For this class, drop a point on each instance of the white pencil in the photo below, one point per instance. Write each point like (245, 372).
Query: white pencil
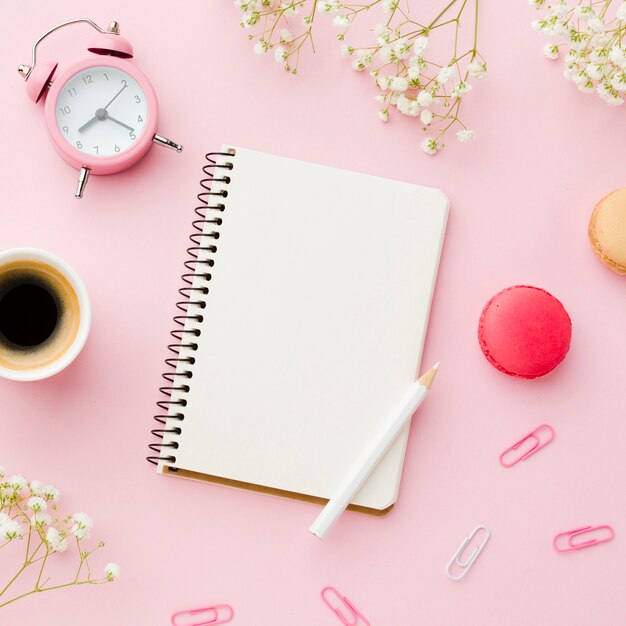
(391, 427)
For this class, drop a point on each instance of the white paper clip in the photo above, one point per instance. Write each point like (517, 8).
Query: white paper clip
(464, 565)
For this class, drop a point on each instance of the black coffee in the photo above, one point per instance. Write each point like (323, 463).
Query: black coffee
(29, 310)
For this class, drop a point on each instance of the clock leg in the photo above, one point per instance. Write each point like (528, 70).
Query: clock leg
(83, 177)
(168, 143)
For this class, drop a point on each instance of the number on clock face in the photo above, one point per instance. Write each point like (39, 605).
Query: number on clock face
(101, 111)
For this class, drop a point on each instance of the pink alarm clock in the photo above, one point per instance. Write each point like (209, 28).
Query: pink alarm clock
(101, 112)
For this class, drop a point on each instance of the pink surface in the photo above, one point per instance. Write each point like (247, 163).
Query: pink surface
(521, 198)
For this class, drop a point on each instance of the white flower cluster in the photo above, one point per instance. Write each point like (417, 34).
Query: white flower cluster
(408, 81)
(29, 510)
(591, 43)
(269, 19)
(415, 86)
(27, 501)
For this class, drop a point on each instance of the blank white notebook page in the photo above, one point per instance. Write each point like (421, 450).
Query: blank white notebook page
(314, 325)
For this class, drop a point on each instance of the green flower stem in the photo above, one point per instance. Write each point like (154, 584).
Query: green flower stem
(19, 572)
(99, 581)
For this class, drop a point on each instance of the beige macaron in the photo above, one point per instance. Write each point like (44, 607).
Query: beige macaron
(607, 230)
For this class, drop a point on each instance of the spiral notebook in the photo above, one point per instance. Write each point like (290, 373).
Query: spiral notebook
(302, 317)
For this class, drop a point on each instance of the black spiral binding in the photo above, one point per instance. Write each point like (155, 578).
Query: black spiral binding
(177, 381)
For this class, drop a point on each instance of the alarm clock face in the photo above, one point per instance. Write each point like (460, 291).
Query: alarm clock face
(101, 111)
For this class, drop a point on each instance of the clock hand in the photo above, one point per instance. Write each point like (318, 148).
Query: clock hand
(101, 114)
(115, 96)
(88, 124)
(121, 123)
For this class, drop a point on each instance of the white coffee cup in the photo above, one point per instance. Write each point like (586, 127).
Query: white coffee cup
(71, 316)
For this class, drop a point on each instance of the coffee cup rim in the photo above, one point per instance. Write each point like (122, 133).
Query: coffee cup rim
(43, 256)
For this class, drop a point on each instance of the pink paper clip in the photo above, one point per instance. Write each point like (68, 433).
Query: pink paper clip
(218, 614)
(538, 443)
(339, 604)
(586, 530)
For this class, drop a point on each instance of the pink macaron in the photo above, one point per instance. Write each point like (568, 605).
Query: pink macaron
(524, 331)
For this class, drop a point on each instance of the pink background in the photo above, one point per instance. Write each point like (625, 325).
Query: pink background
(521, 196)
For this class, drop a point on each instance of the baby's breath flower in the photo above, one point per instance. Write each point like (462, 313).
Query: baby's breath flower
(10, 530)
(577, 38)
(445, 74)
(398, 83)
(595, 71)
(430, 145)
(396, 59)
(382, 33)
(56, 542)
(599, 54)
(618, 56)
(584, 12)
(414, 72)
(618, 82)
(389, 6)
(426, 117)
(17, 482)
(595, 25)
(579, 77)
(465, 135)
(383, 81)
(387, 54)
(82, 525)
(250, 19)
(560, 9)
(595, 59)
(285, 35)
(587, 87)
(402, 49)
(477, 69)
(36, 504)
(402, 103)
(40, 520)
(328, 6)
(112, 571)
(23, 514)
(460, 89)
(420, 45)
(425, 98)
(380, 29)
(341, 21)
(36, 487)
(280, 54)
(418, 62)
(551, 51)
(609, 94)
(407, 106)
(363, 60)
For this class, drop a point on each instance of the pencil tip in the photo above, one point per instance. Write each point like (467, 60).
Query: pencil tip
(427, 378)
